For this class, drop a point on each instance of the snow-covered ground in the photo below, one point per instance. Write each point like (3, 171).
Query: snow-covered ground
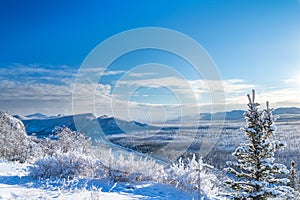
(16, 184)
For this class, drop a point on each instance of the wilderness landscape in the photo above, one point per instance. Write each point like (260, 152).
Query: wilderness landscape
(151, 99)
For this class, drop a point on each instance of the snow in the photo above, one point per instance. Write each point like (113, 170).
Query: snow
(16, 184)
(256, 174)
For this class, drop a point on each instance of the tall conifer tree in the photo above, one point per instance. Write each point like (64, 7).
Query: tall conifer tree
(255, 175)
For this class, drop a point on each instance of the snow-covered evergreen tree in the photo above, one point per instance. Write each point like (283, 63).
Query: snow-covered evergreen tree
(255, 175)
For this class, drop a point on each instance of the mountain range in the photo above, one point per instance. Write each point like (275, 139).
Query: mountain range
(290, 113)
(43, 125)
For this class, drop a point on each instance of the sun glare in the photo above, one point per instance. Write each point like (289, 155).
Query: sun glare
(297, 79)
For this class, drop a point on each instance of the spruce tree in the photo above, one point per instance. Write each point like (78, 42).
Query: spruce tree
(293, 176)
(255, 175)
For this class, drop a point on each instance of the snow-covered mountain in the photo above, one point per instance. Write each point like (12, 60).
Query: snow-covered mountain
(37, 116)
(289, 110)
(284, 113)
(87, 122)
(290, 113)
(229, 115)
(43, 125)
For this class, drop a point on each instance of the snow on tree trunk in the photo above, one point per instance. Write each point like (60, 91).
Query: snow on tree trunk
(255, 175)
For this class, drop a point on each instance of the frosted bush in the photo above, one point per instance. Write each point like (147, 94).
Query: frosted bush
(189, 175)
(67, 141)
(64, 140)
(65, 157)
(63, 165)
(72, 141)
(135, 169)
(14, 142)
(193, 175)
(130, 167)
(76, 164)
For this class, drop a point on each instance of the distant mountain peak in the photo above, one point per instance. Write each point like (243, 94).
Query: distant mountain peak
(287, 110)
(104, 117)
(109, 125)
(60, 115)
(36, 116)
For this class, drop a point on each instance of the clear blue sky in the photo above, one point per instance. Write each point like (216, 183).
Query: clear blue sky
(255, 41)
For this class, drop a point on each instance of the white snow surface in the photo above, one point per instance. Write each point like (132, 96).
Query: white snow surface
(16, 184)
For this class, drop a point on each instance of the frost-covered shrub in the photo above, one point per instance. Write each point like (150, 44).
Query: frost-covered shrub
(129, 168)
(66, 141)
(15, 145)
(63, 165)
(69, 140)
(77, 164)
(193, 175)
(64, 157)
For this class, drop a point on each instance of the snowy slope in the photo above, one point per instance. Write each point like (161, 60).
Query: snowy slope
(16, 184)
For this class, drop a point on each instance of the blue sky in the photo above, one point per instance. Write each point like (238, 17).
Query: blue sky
(254, 43)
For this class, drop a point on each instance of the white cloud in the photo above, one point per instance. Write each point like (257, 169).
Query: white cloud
(99, 71)
(11, 90)
(145, 74)
(188, 87)
(40, 88)
(288, 81)
(51, 91)
(34, 70)
(104, 89)
(113, 72)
